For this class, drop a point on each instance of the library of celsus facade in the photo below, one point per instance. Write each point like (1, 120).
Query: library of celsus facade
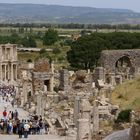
(8, 63)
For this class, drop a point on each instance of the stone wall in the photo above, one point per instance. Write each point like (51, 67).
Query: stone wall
(42, 65)
(43, 72)
(38, 85)
(109, 58)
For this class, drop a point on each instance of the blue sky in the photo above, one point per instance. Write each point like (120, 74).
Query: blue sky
(123, 4)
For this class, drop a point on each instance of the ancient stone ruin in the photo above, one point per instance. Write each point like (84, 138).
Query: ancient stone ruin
(81, 105)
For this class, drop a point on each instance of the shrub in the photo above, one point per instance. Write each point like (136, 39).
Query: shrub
(124, 116)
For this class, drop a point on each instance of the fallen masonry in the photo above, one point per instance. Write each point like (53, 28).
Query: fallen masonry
(75, 104)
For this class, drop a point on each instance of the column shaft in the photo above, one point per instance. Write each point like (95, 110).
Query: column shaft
(12, 72)
(1, 72)
(16, 72)
(5, 72)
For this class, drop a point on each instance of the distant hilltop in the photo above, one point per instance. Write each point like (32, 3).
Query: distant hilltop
(37, 13)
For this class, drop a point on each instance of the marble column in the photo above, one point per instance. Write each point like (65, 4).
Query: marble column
(12, 79)
(52, 78)
(16, 72)
(5, 57)
(3, 69)
(1, 73)
(76, 109)
(1, 54)
(43, 105)
(25, 91)
(51, 83)
(5, 72)
(8, 72)
(39, 104)
(95, 118)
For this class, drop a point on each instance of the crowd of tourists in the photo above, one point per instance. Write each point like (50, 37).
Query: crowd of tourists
(7, 98)
(11, 124)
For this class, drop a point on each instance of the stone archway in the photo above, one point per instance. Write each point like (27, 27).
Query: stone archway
(123, 65)
(109, 59)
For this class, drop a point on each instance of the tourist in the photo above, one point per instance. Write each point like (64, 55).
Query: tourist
(10, 128)
(20, 129)
(9, 115)
(46, 125)
(5, 115)
(5, 126)
(41, 126)
(1, 126)
(15, 114)
(31, 126)
(26, 129)
(12, 115)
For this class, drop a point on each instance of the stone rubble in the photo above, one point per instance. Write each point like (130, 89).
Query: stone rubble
(75, 104)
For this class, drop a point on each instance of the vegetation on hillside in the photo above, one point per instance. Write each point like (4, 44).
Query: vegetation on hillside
(85, 52)
(50, 37)
(127, 95)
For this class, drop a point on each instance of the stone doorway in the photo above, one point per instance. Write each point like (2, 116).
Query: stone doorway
(123, 65)
(47, 85)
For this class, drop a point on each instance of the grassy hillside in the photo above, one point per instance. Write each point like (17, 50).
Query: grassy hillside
(127, 95)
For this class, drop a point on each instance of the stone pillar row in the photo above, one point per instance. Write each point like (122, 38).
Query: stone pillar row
(12, 73)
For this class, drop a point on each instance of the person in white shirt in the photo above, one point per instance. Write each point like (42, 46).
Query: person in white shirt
(26, 129)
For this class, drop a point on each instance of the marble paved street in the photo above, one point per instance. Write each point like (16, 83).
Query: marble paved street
(119, 135)
(32, 137)
(22, 113)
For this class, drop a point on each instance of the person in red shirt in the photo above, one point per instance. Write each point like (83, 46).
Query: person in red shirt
(5, 114)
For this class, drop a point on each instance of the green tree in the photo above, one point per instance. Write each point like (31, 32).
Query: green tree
(85, 52)
(29, 41)
(50, 37)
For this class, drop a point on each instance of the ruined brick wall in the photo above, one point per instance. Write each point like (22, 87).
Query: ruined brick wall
(38, 84)
(109, 58)
(42, 71)
(42, 65)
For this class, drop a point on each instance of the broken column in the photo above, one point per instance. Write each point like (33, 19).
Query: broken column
(52, 78)
(83, 129)
(85, 108)
(64, 80)
(25, 92)
(99, 74)
(39, 104)
(43, 105)
(76, 109)
(83, 123)
(112, 79)
(95, 118)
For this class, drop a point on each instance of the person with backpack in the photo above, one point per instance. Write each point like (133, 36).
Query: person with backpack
(26, 129)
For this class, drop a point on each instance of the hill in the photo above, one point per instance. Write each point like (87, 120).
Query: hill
(127, 95)
(36, 13)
